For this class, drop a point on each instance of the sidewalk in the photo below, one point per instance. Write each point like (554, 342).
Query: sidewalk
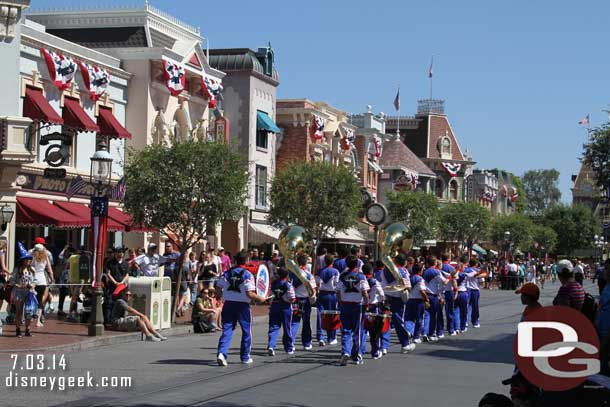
(59, 335)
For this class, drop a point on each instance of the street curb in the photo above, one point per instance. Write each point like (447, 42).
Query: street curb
(178, 330)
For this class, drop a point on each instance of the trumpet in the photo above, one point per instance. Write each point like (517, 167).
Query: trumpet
(293, 242)
(393, 237)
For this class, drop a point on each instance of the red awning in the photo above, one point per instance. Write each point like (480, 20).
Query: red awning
(37, 108)
(119, 216)
(110, 126)
(75, 117)
(83, 211)
(40, 212)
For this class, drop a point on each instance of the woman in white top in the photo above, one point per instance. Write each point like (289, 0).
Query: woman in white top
(43, 275)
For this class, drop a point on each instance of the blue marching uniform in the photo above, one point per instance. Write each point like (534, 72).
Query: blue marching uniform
(462, 300)
(397, 307)
(434, 287)
(351, 285)
(280, 314)
(472, 284)
(451, 311)
(375, 306)
(304, 306)
(326, 279)
(416, 306)
(235, 283)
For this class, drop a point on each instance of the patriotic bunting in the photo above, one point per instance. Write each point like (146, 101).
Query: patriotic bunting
(175, 77)
(99, 227)
(117, 192)
(212, 89)
(317, 124)
(452, 168)
(61, 68)
(405, 179)
(489, 196)
(96, 80)
(504, 190)
(378, 144)
(347, 141)
(515, 194)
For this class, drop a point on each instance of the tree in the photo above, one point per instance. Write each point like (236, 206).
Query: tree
(185, 189)
(520, 228)
(575, 226)
(544, 238)
(521, 203)
(418, 209)
(464, 222)
(596, 154)
(541, 190)
(318, 196)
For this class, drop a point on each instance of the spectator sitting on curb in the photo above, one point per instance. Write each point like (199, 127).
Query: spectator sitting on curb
(123, 322)
(206, 310)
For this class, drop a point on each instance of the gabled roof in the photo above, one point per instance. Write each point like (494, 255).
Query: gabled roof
(396, 155)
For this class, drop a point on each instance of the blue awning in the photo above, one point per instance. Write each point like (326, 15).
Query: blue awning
(479, 249)
(264, 122)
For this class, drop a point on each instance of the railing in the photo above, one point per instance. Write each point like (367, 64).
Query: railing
(427, 106)
(171, 18)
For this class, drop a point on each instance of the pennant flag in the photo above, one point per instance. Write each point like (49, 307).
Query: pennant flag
(378, 143)
(212, 89)
(430, 71)
(118, 191)
(317, 124)
(61, 68)
(96, 80)
(452, 168)
(397, 100)
(584, 121)
(175, 77)
(348, 139)
(75, 186)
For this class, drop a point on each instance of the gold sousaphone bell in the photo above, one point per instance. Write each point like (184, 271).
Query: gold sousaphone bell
(394, 238)
(293, 241)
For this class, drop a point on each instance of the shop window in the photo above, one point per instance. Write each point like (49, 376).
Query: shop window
(453, 190)
(261, 187)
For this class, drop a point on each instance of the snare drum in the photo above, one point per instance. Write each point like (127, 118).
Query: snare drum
(330, 320)
(376, 323)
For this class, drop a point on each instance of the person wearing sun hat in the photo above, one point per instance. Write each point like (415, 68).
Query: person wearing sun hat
(23, 281)
(530, 293)
(120, 321)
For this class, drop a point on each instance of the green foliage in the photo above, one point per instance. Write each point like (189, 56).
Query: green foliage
(520, 227)
(464, 221)
(315, 195)
(545, 237)
(417, 209)
(541, 190)
(186, 188)
(521, 203)
(575, 226)
(596, 154)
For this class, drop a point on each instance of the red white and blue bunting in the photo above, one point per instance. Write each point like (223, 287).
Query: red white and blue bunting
(96, 80)
(175, 76)
(452, 168)
(514, 195)
(489, 196)
(317, 127)
(348, 139)
(405, 179)
(504, 190)
(61, 68)
(212, 89)
(378, 144)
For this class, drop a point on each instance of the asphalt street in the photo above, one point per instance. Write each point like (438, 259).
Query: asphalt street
(456, 371)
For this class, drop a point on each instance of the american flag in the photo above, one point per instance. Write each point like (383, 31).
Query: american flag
(118, 191)
(430, 71)
(76, 185)
(397, 100)
(584, 121)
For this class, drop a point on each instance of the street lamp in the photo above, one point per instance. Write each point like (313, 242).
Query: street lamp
(6, 216)
(599, 242)
(99, 176)
(507, 239)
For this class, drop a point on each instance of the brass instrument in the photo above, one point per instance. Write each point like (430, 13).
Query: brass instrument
(293, 242)
(393, 237)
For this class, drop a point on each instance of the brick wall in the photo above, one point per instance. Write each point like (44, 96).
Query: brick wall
(439, 126)
(295, 146)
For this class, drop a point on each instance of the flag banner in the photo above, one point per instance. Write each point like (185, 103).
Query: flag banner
(99, 227)
(406, 180)
(212, 89)
(397, 100)
(61, 68)
(584, 121)
(75, 186)
(317, 127)
(117, 192)
(378, 144)
(96, 80)
(348, 139)
(452, 168)
(431, 71)
(514, 195)
(504, 190)
(489, 196)
(175, 77)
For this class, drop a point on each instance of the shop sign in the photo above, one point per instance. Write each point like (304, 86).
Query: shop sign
(40, 183)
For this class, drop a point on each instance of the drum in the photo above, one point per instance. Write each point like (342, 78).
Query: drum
(376, 323)
(330, 320)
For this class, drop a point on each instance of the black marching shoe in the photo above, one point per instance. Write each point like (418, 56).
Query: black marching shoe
(28, 333)
(18, 333)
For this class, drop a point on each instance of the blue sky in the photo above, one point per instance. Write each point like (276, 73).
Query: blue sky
(516, 79)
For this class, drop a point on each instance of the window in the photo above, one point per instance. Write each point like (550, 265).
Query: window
(262, 137)
(444, 147)
(453, 190)
(261, 187)
(439, 188)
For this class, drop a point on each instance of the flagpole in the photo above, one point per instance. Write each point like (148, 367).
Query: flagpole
(431, 75)
(398, 118)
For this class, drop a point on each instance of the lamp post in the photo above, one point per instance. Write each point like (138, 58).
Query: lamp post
(99, 176)
(507, 240)
(599, 242)
(6, 216)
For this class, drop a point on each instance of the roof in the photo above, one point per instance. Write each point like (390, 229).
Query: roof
(239, 59)
(397, 155)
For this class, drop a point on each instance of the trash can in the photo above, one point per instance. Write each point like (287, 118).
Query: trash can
(146, 297)
(166, 303)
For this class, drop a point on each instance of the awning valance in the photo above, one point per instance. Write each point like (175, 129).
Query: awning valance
(110, 126)
(82, 211)
(37, 108)
(259, 233)
(479, 249)
(264, 122)
(349, 236)
(75, 117)
(41, 212)
(121, 217)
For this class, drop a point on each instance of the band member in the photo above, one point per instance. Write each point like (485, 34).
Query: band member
(280, 312)
(376, 297)
(304, 304)
(417, 302)
(326, 280)
(352, 290)
(450, 292)
(397, 306)
(463, 297)
(238, 289)
(472, 285)
(385, 337)
(434, 286)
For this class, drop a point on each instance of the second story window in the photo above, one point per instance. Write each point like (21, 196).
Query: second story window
(261, 187)
(262, 139)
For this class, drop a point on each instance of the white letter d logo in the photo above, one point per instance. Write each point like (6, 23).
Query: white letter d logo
(525, 335)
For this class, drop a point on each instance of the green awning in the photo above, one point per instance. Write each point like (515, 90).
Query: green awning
(479, 249)
(264, 122)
